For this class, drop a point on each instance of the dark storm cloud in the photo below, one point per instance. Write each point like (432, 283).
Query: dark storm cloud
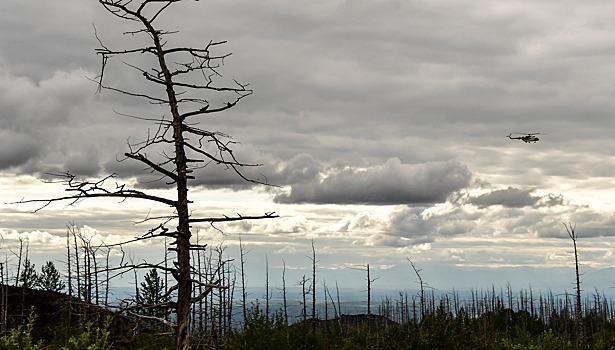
(391, 183)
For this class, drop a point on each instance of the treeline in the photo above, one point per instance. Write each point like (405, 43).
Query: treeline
(488, 320)
(228, 318)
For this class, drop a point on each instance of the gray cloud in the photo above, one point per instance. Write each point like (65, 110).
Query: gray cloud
(390, 183)
(84, 164)
(419, 79)
(409, 227)
(515, 198)
(17, 149)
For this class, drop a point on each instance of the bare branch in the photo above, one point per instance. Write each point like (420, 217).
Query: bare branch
(142, 158)
(269, 215)
(87, 189)
(158, 319)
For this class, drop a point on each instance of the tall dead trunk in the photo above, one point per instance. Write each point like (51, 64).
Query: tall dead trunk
(78, 275)
(285, 305)
(313, 288)
(369, 294)
(422, 290)
(267, 297)
(21, 240)
(570, 229)
(68, 263)
(242, 261)
(107, 279)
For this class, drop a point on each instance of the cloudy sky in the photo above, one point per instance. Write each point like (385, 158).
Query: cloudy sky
(383, 123)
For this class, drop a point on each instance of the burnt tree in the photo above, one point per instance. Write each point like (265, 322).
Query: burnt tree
(186, 82)
(570, 229)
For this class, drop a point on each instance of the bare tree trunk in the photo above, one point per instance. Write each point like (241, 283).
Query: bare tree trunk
(422, 291)
(222, 293)
(23, 287)
(78, 277)
(166, 272)
(2, 299)
(231, 296)
(369, 295)
(68, 262)
(303, 292)
(184, 282)
(324, 292)
(87, 270)
(200, 289)
(242, 261)
(267, 288)
(570, 228)
(313, 288)
(96, 291)
(6, 295)
(284, 294)
(107, 279)
(335, 312)
(339, 304)
(19, 261)
(195, 291)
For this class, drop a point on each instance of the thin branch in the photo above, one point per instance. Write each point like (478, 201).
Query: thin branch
(239, 217)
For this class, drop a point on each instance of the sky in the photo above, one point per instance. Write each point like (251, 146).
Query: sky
(382, 123)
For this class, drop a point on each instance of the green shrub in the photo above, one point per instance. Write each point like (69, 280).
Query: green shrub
(21, 337)
(90, 339)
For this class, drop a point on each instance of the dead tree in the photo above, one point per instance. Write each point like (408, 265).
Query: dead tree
(314, 261)
(369, 288)
(3, 298)
(285, 305)
(242, 261)
(570, 229)
(267, 296)
(19, 256)
(74, 232)
(68, 267)
(369, 292)
(422, 285)
(302, 283)
(187, 83)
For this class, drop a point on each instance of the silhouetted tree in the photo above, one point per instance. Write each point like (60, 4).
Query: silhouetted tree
(50, 279)
(152, 295)
(29, 277)
(186, 82)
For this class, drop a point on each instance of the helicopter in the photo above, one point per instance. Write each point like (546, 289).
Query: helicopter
(527, 138)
